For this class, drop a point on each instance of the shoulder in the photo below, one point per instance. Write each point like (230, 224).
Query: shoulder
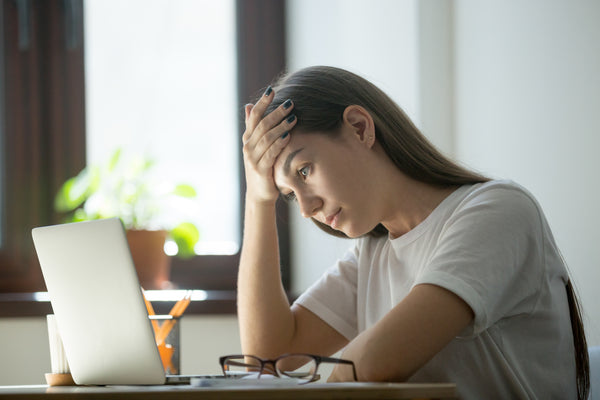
(500, 190)
(501, 198)
(500, 214)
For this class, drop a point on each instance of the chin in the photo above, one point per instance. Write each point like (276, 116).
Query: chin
(354, 233)
(358, 232)
(349, 232)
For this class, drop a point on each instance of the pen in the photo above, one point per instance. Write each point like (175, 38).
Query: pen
(176, 312)
(150, 312)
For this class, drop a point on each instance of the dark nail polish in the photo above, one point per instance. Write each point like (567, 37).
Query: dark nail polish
(290, 119)
(285, 135)
(268, 91)
(287, 104)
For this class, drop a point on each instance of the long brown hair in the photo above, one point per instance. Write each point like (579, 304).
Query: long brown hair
(582, 360)
(321, 94)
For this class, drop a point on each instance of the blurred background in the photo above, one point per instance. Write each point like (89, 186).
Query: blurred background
(509, 88)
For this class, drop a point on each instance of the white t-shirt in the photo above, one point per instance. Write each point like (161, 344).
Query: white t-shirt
(491, 245)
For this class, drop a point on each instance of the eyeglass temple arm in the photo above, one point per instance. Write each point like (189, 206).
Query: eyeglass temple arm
(340, 361)
(240, 364)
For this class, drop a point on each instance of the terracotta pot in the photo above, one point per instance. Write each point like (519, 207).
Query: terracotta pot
(151, 263)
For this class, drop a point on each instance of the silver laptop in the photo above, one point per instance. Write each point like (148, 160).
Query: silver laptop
(98, 304)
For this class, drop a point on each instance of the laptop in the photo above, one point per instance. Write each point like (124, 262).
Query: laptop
(98, 304)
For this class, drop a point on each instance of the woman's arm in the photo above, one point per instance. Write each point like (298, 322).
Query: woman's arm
(268, 326)
(409, 335)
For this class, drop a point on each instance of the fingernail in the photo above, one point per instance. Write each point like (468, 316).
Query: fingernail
(291, 119)
(268, 91)
(285, 135)
(287, 104)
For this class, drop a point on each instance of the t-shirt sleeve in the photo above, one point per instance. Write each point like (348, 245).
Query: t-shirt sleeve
(333, 297)
(489, 255)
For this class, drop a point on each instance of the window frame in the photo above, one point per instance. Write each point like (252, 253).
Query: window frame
(261, 57)
(43, 129)
(51, 148)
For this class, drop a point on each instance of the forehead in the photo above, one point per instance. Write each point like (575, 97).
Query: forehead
(302, 145)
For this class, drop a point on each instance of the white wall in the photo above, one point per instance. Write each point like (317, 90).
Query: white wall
(527, 101)
(377, 40)
(25, 353)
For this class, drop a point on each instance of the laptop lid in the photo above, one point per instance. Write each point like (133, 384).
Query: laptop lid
(98, 303)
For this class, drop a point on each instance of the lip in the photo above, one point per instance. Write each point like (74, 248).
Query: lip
(333, 219)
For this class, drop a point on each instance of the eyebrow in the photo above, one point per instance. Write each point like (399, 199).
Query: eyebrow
(288, 161)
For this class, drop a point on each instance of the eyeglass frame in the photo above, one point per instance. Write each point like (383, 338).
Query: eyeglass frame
(318, 360)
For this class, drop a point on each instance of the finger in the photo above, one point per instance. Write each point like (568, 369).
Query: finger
(269, 157)
(247, 133)
(259, 109)
(271, 137)
(255, 113)
(247, 109)
(268, 122)
(275, 117)
(255, 153)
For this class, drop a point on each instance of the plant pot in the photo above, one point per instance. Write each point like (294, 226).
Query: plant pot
(151, 263)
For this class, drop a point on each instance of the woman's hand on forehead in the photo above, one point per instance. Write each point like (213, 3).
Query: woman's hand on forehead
(263, 140)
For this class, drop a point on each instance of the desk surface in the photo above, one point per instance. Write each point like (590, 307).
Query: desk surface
(313, 391)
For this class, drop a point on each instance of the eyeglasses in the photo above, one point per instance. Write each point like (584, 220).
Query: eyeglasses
(302, 367)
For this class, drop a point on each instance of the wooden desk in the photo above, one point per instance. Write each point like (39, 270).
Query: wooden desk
(184, 392)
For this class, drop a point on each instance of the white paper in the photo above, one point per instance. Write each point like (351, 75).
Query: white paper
(248, 381)
(58, 358)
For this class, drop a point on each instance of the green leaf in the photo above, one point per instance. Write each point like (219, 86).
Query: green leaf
(61, 200)
(114, 160)
(184, 190)
(81, 215)
(74, 192)
(185, 235)
(94, 179)
(148, 164)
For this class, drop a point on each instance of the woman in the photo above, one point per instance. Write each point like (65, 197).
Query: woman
(454, 278)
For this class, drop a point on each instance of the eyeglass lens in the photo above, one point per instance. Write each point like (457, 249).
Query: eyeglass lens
(301, 367)
(241, 365)
(297, 366)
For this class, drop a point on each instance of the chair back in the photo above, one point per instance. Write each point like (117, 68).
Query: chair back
(594, 352)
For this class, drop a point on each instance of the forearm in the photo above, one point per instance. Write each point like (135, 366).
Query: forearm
(266, 322)
(408, 336)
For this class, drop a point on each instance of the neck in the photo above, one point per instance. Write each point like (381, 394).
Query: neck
(409, 203)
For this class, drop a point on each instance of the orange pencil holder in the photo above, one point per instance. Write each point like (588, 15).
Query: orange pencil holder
(167, 335)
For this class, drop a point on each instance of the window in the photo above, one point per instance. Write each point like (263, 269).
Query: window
(44, 128)
(163, 85)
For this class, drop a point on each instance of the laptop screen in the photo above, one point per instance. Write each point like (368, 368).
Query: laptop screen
(98, 303)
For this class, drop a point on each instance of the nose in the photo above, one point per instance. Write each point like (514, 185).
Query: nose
(309, 204)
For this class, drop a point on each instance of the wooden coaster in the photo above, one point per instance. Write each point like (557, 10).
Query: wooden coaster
(59, 380)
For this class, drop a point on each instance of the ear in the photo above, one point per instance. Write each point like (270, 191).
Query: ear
(360, 123)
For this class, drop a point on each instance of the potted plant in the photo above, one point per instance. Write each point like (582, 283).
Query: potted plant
(150, 211)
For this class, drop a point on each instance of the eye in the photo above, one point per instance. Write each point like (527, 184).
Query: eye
(304, 171)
